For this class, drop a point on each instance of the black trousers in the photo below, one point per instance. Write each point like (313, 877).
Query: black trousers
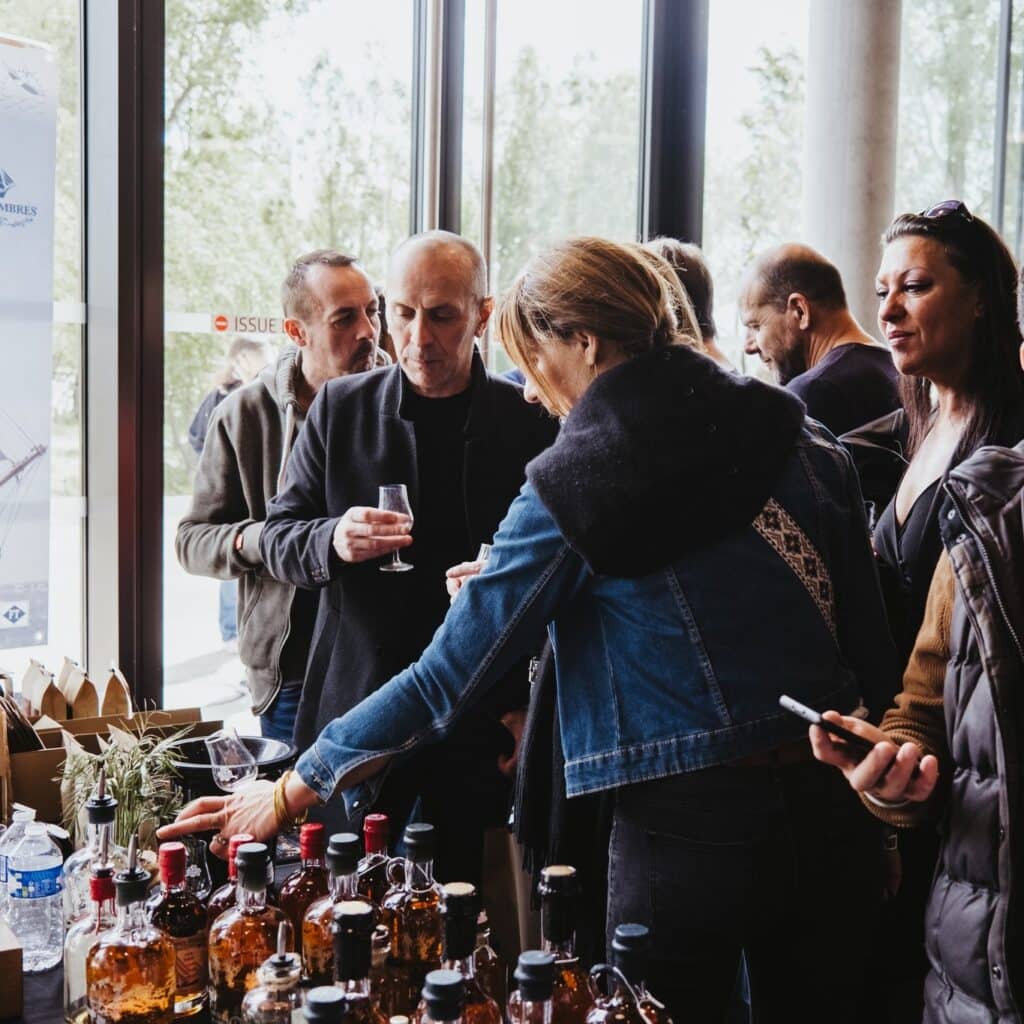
(779, 861)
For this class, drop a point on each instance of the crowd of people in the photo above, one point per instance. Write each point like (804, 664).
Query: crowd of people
(673, 546)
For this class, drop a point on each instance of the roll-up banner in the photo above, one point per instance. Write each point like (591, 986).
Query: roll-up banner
(28, 149)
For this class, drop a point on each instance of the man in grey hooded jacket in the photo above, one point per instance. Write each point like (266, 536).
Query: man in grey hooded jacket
(332, 316)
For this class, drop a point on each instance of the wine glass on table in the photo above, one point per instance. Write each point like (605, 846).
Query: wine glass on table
(233, 765)
(395, 498)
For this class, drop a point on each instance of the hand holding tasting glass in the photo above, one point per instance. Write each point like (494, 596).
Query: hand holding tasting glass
(457, 575)
(364, 533)
(395, 498)
(233, 765)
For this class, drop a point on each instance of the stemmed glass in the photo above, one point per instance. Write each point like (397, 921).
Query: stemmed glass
(233, 765)
(395, 498)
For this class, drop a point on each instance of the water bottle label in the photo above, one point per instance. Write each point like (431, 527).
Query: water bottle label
(34, 885)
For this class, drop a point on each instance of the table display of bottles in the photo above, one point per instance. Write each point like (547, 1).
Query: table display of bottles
(343, 856)
(412, 913)
(277, 997)
(309, 882)
(243, 936)
(182, 918)
(129, 971)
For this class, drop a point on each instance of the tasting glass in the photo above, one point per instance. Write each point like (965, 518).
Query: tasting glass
(395, 498)
(233, 765)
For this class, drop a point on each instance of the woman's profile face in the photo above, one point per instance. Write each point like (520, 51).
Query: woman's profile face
(927, 310)
(564, 368)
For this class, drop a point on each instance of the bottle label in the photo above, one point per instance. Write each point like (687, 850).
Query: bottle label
(190, 962)
(34, 885)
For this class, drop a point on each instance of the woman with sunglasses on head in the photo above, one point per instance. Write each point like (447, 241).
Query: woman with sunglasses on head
(687, 577)
(947, 293)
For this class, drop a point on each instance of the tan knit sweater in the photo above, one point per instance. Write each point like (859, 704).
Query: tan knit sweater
(918, 714)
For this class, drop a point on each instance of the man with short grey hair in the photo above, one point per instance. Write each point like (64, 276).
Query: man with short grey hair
(459, 439)
(331, 315)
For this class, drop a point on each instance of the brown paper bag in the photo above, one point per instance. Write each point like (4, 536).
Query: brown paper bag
(80, 693)
(115, 697)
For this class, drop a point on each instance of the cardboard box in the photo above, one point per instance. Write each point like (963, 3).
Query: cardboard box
(32, 776)
(11, 994)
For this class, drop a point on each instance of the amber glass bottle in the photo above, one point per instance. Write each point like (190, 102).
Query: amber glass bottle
(412, 914)
(224, 897)
(243, 936)
(353, 928)
(373, 868)
(129, 972)
(444, 994)
(277, 998)
(531, 1001)
(81, 937)
(491, 966)
(558, 893)
(459, 908)
(317, 936)
(182, 918)
(309, 883)
(627, 1000)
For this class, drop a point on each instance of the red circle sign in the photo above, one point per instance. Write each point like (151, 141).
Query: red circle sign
(220, 322)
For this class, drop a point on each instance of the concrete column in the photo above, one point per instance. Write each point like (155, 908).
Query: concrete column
(853, 64)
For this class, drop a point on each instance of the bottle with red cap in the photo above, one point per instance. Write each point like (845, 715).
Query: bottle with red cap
(176, 912)
(373, 868)
(82, 935)
(224, 897)
(309, 883)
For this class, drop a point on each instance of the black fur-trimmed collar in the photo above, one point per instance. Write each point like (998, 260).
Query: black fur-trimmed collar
(662, 454)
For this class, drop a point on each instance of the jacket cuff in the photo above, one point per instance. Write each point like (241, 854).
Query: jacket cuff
(315, 774)
(250, 549)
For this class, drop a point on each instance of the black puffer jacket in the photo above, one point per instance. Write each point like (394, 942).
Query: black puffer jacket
(974, 920)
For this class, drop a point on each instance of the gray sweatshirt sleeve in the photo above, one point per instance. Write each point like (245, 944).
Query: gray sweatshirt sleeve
(205, 541)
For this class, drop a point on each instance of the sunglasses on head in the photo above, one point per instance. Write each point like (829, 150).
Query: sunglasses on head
(948, 208)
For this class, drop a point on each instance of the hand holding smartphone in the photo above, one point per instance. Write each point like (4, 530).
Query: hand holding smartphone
(859, 746)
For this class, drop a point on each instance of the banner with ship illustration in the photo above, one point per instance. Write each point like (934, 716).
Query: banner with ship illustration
(28, 143)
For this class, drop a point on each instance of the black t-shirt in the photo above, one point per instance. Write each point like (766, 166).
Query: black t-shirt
(853, 385)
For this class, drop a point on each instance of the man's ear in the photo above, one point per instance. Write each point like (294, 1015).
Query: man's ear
(295, 331)
(798, 307)
(484, 314)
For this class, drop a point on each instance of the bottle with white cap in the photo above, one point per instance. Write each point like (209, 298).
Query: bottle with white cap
(35, 908)
(20, 817)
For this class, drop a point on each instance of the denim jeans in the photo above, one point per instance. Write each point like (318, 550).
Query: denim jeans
(228, 610)
(278, 721)
(779, 862)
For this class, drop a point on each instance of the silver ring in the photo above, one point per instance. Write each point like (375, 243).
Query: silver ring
(219, 838)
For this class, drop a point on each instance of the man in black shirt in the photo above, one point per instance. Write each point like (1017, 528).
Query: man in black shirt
(794, 309)
(459, 439)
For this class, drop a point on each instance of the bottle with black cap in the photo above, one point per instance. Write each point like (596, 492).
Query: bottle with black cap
(559, 891)
(531, 1002)
(412, 913)
(444, 995)
(343, 852)
(243, 936)
(353, 931)
(100, 812)
(325, 1005)
(626, 1000)
(459, 908)
(129, 972)
(277, 998)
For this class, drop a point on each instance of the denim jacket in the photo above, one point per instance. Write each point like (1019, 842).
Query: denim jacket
(675, 623)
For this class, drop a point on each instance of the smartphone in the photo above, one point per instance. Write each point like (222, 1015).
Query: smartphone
(858, 745)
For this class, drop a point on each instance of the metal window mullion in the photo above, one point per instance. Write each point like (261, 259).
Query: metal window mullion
(1002, 112)
(450, 115)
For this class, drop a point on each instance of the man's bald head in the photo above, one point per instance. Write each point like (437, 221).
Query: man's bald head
(451, 252)
(791, 269)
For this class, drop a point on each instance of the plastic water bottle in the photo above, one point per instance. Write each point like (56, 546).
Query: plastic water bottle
(10, 839)
(35, 903)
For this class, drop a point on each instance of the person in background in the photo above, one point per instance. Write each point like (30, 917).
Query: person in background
(691, 268)
(947, 290)
(947, 751)
(793, 306)
(459, 439)
(331, 318)
(726, 832)
(245, 358)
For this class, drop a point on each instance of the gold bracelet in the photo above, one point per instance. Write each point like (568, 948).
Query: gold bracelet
(285, 819)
